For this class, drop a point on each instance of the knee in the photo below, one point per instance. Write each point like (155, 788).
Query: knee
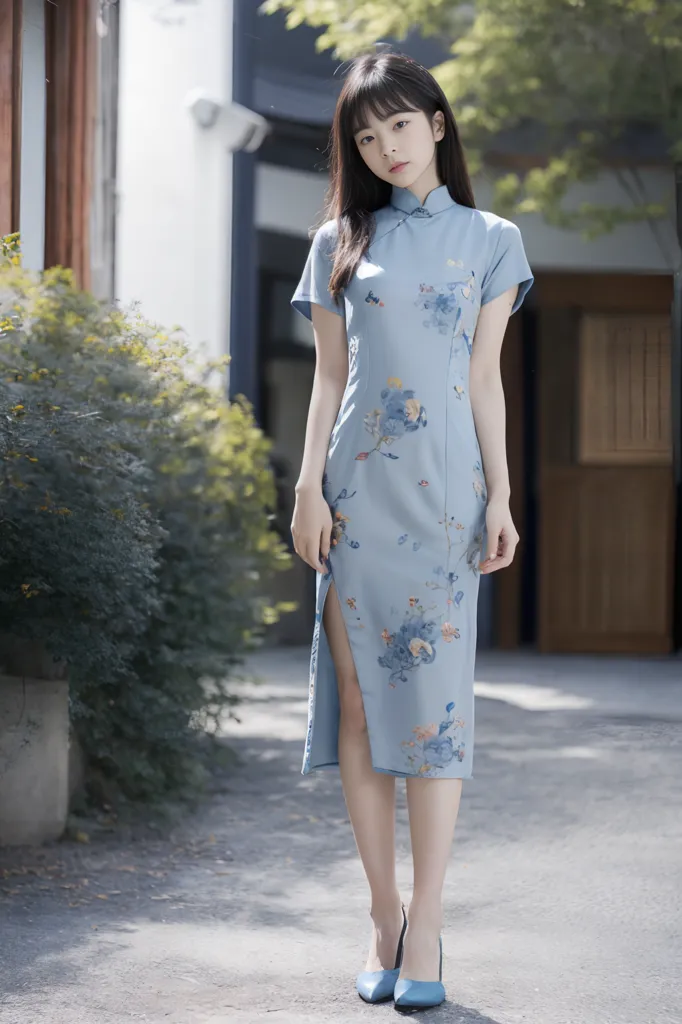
(352, 706)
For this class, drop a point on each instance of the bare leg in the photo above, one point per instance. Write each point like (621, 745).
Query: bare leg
(433, 805)
(369, 795)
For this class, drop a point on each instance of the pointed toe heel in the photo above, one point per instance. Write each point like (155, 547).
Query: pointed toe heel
(411, 995)
(378, 986)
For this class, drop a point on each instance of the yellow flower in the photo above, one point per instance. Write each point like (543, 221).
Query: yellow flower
(449, 631)
(412, 407)
(417, 645)
(423, 732)
(395, 382)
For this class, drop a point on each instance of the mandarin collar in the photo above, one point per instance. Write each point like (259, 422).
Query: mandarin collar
(438, 199)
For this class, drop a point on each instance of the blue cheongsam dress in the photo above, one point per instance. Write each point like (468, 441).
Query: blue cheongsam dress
(404, 480)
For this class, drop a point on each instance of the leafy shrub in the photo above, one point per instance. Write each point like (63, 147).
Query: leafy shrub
(135, 531)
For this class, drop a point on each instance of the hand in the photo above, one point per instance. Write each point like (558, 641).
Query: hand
(311, 528)
(502, 537)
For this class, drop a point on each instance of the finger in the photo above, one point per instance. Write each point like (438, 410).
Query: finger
(313, 559)
(493, 544)
(303, 555)
(325, 542)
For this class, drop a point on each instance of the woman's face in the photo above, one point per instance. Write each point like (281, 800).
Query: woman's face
(401, 148)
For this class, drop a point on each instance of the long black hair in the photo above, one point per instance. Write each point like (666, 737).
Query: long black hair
(383, 84)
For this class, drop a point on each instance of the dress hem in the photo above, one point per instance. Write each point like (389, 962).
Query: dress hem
(309, 769)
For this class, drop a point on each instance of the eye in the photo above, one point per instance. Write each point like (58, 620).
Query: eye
(364, 139)
(399, 123)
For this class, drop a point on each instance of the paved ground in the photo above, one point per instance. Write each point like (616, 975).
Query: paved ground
(562, 901)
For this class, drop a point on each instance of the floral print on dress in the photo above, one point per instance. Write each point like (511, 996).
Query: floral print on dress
(353, 348)
(401, 414)
(473, 554)
(340, 520)
(403, 539)
(440, 302)
(435, 746)
(452, 306)
(411, 645)
(479, 483)
(354, 620)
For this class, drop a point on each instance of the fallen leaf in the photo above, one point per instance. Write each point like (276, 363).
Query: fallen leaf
(82, 837)
(101, 896)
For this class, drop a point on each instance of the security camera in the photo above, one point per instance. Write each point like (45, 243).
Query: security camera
(242, 128)
(204, 109)
(246, 129)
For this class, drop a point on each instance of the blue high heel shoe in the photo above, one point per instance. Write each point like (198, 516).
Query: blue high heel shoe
(417, 995)
(377, 986)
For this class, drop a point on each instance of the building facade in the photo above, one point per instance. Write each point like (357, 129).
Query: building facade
(223, 129)
(587, 365)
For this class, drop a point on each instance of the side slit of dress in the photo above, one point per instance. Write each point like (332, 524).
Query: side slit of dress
(323, 698)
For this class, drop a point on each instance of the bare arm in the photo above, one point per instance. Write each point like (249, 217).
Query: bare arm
(311, 523)
(487, 402)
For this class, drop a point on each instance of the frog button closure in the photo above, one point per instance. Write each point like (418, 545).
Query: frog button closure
(421, 211)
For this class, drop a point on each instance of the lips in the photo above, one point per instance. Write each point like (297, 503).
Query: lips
(397, 168)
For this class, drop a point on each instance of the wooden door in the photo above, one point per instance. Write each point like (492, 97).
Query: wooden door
(605, 481)
(508, 587)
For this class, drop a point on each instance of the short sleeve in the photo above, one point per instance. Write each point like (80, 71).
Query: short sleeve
(507, 267)
(314, 283)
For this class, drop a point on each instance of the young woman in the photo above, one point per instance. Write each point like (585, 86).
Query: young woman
(403, 494)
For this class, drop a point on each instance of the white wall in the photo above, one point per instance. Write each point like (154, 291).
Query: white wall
(174, 178)
(32, 203)
(289, 201)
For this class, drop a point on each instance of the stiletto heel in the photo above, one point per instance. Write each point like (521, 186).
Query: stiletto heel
(417, 995)
(377, 986)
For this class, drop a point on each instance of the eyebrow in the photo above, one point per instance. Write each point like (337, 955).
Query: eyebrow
(366, 128)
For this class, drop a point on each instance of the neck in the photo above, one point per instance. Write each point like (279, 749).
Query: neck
(426, 182)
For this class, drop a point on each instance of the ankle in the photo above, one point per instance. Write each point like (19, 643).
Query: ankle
(425, 908)
(386, 907)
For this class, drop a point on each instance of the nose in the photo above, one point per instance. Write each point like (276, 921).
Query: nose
(388, 147)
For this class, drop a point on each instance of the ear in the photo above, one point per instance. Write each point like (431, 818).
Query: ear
(438, 125)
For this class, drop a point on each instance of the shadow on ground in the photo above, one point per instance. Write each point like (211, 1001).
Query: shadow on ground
(567, 848)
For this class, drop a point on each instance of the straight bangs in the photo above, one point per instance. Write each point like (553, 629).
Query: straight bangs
(382, 97)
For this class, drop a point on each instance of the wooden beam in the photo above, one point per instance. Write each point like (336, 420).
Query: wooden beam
(10, 114)
(70, 54)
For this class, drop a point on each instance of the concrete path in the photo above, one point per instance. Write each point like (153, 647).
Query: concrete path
(563, 896)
